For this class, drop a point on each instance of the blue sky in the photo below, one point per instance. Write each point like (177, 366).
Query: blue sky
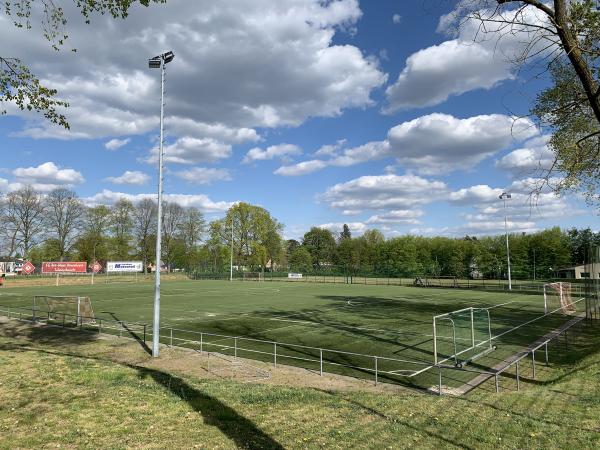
(377, 114)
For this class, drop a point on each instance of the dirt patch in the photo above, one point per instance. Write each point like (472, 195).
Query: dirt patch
(203, 365)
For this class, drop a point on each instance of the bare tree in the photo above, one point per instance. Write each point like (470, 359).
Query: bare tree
(8, 230)
(172, 219)
(144, 224)
(64, 217)
(25, 213)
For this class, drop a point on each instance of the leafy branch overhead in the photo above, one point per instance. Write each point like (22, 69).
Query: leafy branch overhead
(19, 86)
(565, 36)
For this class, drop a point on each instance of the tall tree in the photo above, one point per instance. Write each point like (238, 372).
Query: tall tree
(321, 245)
(121, 225)
(191, 229)
(64, 212)
(25, 213)
(144, 228)
(172, 219)
(345, 233)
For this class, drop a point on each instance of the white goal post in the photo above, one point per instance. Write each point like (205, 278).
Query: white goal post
(557, 296)
(68, 308)
(465, 332)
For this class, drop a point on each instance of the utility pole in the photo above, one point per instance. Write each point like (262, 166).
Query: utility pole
(505, 196)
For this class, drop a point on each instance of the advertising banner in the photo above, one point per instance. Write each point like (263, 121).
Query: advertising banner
(124, 266)
(64, 267)
(294, 275)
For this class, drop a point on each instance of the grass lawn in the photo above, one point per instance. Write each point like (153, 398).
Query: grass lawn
(63, 389)
(391, 322)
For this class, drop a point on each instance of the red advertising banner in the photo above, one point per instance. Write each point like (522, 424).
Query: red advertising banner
(64, 267)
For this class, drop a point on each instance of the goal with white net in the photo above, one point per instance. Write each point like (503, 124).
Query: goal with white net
(253, 276)
(66, 308)
(557, 297)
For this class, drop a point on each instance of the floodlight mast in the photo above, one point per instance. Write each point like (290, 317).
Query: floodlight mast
(159, 62)
(506, 196)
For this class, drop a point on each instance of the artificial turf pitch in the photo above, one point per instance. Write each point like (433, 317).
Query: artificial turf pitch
(391, 322)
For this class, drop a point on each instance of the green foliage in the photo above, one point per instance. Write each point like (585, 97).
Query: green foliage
(321, 246)
(300, 260)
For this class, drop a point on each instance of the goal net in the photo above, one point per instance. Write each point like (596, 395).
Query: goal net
(253, 276)
(462, 336)
(65, 308)
(557, 297)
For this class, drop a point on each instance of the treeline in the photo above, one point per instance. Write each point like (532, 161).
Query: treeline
(58, 227)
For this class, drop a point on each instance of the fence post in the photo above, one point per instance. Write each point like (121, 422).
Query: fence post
(533, 362)
(375, 370)
(546, 351)
(517, 373)
(440, 381)
(235, 347)
(321, 361)
(497, 383)
(99, 326)
(275, 354)
(120, 328)
(171, 337)
(144, 333)
(201, 342)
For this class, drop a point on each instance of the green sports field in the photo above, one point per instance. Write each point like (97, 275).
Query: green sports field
(306, 320)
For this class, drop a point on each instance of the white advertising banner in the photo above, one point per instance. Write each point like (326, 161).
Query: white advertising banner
(294, 275)
(124, 266)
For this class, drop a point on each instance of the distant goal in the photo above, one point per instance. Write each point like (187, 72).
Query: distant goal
(253, 276)
(557, 298)
(65, 308)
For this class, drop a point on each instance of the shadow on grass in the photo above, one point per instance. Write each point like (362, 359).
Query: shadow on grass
(131, 332)
(242, 431)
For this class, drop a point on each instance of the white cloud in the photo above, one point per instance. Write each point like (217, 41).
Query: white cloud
(431, 144)
(441, 143)
(188, 150)
(46, 176)
(356, 228)
(115, 144)
(534, 158)
(3, 185)
(200, 201)
(398, 216)
(203, 175)
(396, 18)
(477, 58)
(280, 151)
(239, 66)
(134, 178)
(384, 191)
(474, 195)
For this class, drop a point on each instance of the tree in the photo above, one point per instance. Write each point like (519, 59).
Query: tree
(345, 233)
(64, 212)
(320, 244)
(121, 222)
(24, 212)
(191, 229)
(300, 260)
(18, 85)
(172, 219)
(567, 34)
(144, 225)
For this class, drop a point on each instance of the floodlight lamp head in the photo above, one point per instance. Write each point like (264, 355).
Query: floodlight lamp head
(504, 196)
(158, 61)
(155, 63)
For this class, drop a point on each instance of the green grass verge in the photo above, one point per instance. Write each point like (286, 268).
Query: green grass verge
(58, 391)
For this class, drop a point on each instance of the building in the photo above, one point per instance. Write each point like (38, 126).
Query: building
(580, 272)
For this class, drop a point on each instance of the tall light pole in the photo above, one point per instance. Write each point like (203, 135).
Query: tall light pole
(159, 62)
(231, 255)
(506, 196)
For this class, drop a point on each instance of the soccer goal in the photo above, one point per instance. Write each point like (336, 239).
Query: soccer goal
(65, 308)
(557, 297)
(462, 336)
(253, 276)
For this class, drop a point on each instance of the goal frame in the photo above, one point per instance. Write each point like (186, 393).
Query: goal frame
(470, 312)
(252, 276)
(82, 303)
(566, 308)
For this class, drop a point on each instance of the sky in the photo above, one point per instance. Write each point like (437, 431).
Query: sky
(375, 114)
